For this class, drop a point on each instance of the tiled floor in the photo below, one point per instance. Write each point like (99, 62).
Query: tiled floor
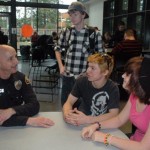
(46, 101)
(47, 105)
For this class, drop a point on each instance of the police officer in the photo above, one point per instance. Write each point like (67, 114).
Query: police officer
(18, 101)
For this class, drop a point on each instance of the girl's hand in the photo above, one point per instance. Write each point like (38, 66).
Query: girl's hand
(88, 131)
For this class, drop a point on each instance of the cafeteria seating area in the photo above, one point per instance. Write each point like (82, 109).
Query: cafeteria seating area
(45, 18)
(46, 103)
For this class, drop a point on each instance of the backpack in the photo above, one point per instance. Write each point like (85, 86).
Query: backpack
(92, 35)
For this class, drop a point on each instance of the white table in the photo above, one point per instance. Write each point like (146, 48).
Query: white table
(61, 136)
(145, 52)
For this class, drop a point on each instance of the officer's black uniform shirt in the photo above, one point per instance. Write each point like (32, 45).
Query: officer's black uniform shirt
(17, 93)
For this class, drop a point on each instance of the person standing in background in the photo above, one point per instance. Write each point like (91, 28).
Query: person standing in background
(119, 33)
(127, 48)
(1, 32)
(55, 36)
(3, 38)
(107, 40)
(129, 44)
(77, 48)
(34, 39)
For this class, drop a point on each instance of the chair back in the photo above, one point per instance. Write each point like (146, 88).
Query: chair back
(37, 56)
(122, 57)
(25, 52)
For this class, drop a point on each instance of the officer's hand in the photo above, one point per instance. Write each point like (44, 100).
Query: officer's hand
(40, 122)
(6, 114)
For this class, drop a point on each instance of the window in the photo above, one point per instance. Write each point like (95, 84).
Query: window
(122, 7)
(4, 23)
(110, 9)
(5, 9)
(42, 20)
(40, 1)
(140, 5)
(139, 25)
(48, 1)
(47, 20)
(125, 5)
(109, 27)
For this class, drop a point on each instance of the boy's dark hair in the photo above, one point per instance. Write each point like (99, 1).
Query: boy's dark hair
(54, 33)
(121, 23)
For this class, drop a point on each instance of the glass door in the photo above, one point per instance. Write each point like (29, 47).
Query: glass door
(5, 26)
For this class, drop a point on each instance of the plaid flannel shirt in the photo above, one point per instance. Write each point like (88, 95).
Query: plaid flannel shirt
(78, 49)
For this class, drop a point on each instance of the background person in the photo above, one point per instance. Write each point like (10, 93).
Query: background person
(77, 48)
(127, 48)
(137, 82)
(99, 95)
(34, 39)
(18, 102)
(96, 28)
(3, 37)
(108, 40)
(129, 44)
(51, 43)
(119, 33)
(55, 36)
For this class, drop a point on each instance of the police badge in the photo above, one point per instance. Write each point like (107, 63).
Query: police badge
(18, 84)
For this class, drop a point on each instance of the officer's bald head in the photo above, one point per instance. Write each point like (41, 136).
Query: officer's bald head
(8, 61)
(4, 49)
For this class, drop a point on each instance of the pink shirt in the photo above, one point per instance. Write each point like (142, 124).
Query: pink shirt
(139, 119)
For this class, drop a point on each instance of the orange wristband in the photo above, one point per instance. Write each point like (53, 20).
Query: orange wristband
(106, 139)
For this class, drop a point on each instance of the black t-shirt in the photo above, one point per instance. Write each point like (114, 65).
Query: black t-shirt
(17, 93)
(118, 36)
(96, 101)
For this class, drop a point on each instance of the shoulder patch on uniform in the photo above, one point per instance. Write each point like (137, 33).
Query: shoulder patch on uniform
(27, 81)
(18, 84)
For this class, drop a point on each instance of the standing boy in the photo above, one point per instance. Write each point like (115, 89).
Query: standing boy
(76, 41)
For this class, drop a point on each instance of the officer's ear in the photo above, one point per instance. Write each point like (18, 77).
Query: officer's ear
(1, 66)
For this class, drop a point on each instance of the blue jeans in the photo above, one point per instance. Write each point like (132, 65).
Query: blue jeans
(67, 85)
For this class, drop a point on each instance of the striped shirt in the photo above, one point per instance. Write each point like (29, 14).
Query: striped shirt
(125, 50)
(128, 46)
(78, 49)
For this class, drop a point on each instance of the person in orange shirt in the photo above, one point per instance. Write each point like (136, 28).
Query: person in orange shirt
(34, 39)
